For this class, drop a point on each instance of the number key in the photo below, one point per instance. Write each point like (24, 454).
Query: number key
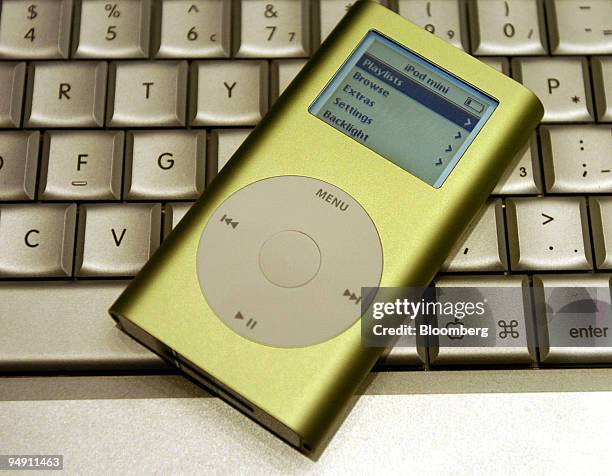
(522, 177)
(329, 13)
(273, 29)
(504, 27)
(440, 17)
(35, 29)
(191, 29)
(113, 29)
(580, 28)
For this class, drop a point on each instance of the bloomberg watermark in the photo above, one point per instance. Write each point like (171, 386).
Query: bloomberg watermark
(486, 316)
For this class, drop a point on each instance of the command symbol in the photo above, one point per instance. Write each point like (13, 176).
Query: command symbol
(229, 221)
(508, 329)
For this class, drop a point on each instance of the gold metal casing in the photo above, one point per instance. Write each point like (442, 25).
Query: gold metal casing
(301, 393)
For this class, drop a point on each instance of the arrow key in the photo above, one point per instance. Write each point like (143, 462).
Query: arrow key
(549, 233)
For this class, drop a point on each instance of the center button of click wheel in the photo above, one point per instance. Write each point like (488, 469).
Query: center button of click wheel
(290, 259)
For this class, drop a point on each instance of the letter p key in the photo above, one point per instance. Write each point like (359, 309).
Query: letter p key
(553, 83)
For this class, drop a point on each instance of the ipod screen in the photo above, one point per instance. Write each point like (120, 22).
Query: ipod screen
(404, 108)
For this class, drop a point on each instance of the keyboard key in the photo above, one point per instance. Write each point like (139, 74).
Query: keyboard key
(443, 18)
(116, 240)
(500, 64)
(510, 337)
(577, 159)
(173, 214)
(548, 234)
(165, 165)
(195, 29)
(273, 29)
(12, 83)
(502, 27)
(229, 93)
(523, 176)
(147, 94)
(562, 84)
(63, 326)
(580, 27)
(81, 165)
(600, 209)
(602, 84)
(283, 72)
(36, 240)
(62, 94)
(117, 29)
(483, 246)
(404, 355)
(222, 145)
(329, 13)
(18, 164)
(574, 321)
(35, 30)
(406, 350)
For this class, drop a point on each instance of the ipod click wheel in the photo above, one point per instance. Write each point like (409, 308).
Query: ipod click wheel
(282, 261)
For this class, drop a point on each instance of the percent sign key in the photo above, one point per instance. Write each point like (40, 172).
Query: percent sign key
(112, 10)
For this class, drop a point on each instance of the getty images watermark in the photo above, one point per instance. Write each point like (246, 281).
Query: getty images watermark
(487, 316)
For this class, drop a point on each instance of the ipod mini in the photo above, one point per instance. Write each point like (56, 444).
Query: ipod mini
(364, 174)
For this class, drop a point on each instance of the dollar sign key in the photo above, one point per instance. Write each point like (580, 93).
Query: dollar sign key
(32, 13)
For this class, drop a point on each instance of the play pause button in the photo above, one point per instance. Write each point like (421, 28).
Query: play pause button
(250, 323)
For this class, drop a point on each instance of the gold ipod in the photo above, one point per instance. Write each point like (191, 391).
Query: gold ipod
(363, 174)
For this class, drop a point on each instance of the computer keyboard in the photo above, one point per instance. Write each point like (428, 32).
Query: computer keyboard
(116, 115)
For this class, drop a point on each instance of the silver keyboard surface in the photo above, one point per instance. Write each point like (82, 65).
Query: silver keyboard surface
(116, 115)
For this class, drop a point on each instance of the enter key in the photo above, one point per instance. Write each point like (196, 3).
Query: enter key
(574, 318)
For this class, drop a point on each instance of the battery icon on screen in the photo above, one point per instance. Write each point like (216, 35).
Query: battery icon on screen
(474, 105)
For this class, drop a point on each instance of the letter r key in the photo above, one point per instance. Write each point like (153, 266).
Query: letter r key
(65, 94)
